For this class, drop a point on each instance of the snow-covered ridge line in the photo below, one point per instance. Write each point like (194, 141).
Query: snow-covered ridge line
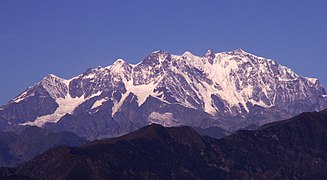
(228, 83)
(223, 64)
(175, 57)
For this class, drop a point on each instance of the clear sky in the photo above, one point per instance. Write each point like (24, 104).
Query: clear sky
(66, 37)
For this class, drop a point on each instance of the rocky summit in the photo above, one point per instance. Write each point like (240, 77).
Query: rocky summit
(230, 90)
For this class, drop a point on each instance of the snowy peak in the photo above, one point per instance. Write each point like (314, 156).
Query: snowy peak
(225, 85)
(119, 63)
(239, 51)
(51, 84)
(252, 80)
(51, 76)
(156, 58)
(210, 55)
(188, 54)
(56, 86)
(158, 52)
(120, 66)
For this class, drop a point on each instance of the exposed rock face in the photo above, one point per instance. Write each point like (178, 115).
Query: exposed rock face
(230, 90)
(290, 149)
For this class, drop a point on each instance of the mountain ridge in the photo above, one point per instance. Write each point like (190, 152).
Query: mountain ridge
(27, 142)
(290, 149)
(230, 90)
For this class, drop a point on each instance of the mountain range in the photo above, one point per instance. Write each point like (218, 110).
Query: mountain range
(228, 90)
(292, 149)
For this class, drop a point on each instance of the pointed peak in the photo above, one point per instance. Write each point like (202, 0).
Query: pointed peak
(156, 57)
(159, 52)
(209, 53)
(188, 54)
(119, 65)
(50, 81)
(51, 76)
(119, 61)
(239, 50)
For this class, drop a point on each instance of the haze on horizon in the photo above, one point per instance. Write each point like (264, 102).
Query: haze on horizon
(66, 38)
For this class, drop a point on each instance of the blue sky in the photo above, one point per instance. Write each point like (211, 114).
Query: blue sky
(67, 37)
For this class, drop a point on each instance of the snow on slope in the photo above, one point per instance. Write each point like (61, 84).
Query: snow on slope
(238, 78)
(220, 74)
(66, 106)
(166, 119)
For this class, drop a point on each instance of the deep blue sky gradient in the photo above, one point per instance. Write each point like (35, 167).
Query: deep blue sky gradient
(66, 37)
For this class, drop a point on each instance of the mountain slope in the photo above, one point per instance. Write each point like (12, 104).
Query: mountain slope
(290, 149)
(28, 142)
(229, 90)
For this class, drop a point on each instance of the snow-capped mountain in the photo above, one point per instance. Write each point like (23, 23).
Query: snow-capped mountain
(229, 89)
